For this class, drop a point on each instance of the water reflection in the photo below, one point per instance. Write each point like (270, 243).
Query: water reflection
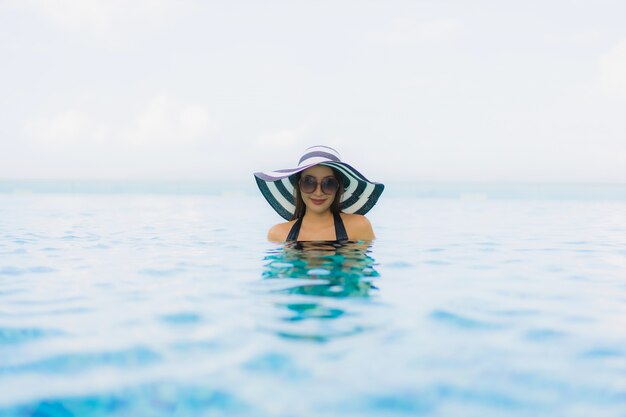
(322, 280)
(330, 269)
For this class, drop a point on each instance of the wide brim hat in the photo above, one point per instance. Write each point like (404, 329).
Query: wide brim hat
(359, 196)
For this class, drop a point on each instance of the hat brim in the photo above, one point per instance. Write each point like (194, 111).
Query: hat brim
(359, 195)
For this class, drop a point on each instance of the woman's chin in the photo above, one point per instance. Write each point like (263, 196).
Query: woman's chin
(318, 208)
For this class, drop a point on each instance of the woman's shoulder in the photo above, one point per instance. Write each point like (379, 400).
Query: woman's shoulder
(358, 226)
(280, 231)
(356, 219)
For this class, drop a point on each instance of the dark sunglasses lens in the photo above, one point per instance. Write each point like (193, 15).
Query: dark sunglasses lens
(308, 184)
(329, 185)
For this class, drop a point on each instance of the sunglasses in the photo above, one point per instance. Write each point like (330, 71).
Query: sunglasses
(308, 184)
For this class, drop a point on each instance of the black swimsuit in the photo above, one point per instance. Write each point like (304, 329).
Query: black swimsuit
(340, 230)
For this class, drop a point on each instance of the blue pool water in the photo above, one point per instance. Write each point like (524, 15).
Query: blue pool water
(175, 305)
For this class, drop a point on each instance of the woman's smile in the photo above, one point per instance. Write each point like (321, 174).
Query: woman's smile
(318, 202)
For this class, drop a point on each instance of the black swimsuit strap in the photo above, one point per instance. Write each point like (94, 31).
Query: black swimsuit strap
(340, 230)
(295, 231)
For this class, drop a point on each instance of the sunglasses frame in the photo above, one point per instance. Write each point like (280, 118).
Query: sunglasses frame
(323, 183)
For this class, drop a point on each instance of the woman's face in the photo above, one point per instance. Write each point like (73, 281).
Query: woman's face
(317, 201)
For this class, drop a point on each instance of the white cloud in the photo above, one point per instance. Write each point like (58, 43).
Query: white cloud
(577, 39)
(61, 130)
(194, 121)
(281, 138)
(73, 15)
(162, 123)
(164, 138)
(612, 76)
(288, 137)
(409, 30)
(108, 20)
(154, 124)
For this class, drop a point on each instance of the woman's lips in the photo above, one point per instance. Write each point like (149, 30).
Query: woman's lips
(318, 202)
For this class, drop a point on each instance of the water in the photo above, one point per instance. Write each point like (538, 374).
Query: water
(174, 305)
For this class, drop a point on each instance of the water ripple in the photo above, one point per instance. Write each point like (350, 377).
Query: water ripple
(181, 318)
(457, 320)
(11, 270)
(544, 335)
(77, 362)
(9, 336)
(146, 400)
(276, 364)
(601, 353)
(165, 272)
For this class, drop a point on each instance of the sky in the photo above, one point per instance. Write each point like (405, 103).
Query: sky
(531, 91)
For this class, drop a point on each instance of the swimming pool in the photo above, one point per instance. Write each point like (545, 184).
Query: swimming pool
(149, 305)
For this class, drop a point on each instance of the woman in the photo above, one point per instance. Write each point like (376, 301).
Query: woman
(323, 199)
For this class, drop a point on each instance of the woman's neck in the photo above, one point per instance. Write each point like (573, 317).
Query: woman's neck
(318, 218)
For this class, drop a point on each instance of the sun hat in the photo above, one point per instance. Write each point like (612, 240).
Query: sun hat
(359, 196)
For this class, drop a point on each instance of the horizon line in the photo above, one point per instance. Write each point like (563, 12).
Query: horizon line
(242, 181)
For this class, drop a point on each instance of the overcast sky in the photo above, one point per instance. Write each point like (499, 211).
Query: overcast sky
(415, 90)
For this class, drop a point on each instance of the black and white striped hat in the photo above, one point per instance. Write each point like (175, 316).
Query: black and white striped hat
(359, 196)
